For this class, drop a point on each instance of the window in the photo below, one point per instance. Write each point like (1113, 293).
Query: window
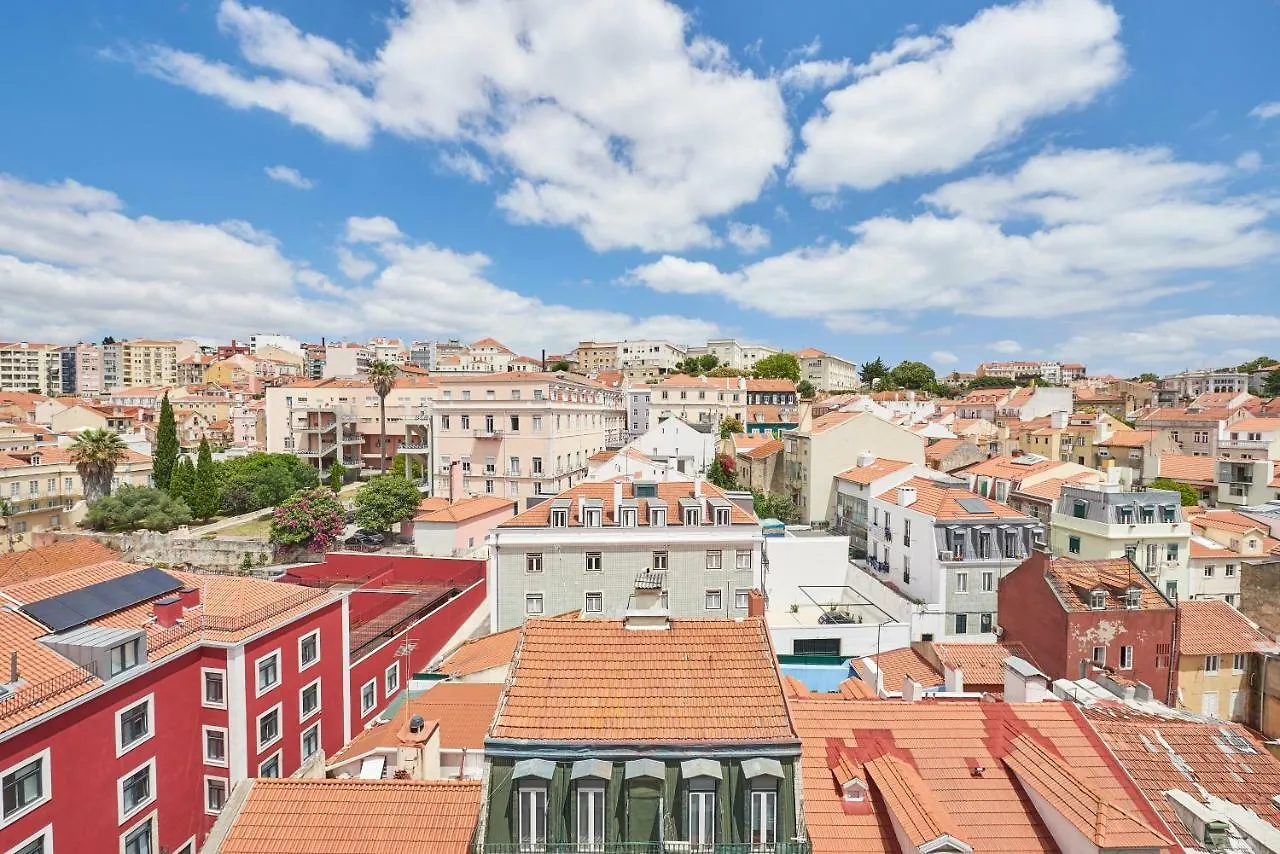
(1073, 545)
(1211, 664)
(1229, 570)
(764, 816)
(660, 561)
(368, 696)
(1099, 655)
(533, 562)
(594, 561)
(591, 517)
(1167, 513)
(594, 602)
(268, 669)
(533, 604)
(465, 420)
(591, 817)
(215, 794)
(1126, 658)
(1230, 599)
(962, 582)
(692, 516)
(1098, 600)
(270, 768)
(308, 649)
(269, 727)
(537, 423)
(962, 624)
(515, 423)
(559, 518)
(125, 656)
(391, 679)
(533, 818)
(1171, 552)
(713, 559)
(215, 745)
(988, 581)
(137, 789)
(714, 600)
(1171, 589)
(1080, 509)
(984, 623)
(311, 741)
(741, 599)
(444, 422)
(702, 813)
(513, 466)
(1208, 570)
(41, 843)
(537, 461)
(133, 725)
(26, 786)
(1164, 653)
(1238, 662)
(139, 840)
(722, 515)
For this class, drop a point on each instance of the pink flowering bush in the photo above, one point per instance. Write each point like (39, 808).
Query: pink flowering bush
(312, 518)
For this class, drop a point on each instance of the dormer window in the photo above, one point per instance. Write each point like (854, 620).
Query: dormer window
(1133, 598)
(628, 519)
(1148, 513)
(692, 516)
(658, 517)
(35, 459)
(559, 518)
(854, 791)
(1125, 514)
(1167, 513)
(1097, 600)
(722, 515)
(591, 517)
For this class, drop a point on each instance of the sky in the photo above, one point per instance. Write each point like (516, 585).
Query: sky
(947, 181)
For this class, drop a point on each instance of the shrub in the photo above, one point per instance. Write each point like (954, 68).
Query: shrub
(312, 518)
(137, 508)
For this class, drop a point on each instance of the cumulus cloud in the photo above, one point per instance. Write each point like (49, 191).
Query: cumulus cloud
(748, 238)
(1007, 347)
(932, 103)
(612, 119)
(354, 266)
(1266, 111)
(467, 165)
(943, 357)
(1250, 161)
(1193, 341)
(289, 175)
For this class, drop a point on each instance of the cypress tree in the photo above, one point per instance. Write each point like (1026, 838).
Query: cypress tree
(204, 495)
(166, 454)
(184, 480)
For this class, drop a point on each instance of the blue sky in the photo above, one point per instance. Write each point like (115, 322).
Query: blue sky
(949, 181)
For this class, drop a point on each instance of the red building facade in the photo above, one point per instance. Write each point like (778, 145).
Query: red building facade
(1074, 616)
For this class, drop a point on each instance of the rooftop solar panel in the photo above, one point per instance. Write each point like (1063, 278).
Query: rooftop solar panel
(974, 505)
(77, 607)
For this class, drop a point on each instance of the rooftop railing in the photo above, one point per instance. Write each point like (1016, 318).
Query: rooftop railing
(667, 847)
(29, 696)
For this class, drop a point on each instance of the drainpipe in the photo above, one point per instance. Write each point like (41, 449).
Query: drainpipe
(1173, 661)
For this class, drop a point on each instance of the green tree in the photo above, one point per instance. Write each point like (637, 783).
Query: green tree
(779, 366)
(773, 506)
(386, 501)
(382, 376)
(137, 508)
(261, 480)
(204, 493)
(726, 371)
(166, 452)
(992, 382)
(417, 471)
(1271, 386)
(1149, 377)
(313, 518)
(1190, 497)
(560, 365)
(805, 389)
(96, 453)
(729, 426)
(708, 362)
(1256, 365)
(721, 472)
(183, 483)
(914, 375)
(337, 471)
(871, 371)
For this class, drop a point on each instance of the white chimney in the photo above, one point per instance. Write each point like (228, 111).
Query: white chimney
(865, 459)
(953, 679)
(582, 509)
(697, 487)
(1023, 683)
(912, 690)
(617, 495)
(906, 496)
(1058, 420)
(874, 674)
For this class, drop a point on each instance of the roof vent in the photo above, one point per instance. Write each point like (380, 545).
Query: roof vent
(865, 459)
(416, 723)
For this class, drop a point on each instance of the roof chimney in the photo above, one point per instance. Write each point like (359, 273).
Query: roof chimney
(697, 487)
(167, 611)
(1023, 683)
(1058, 420)
(906, 496)
(953, 679)
(865, 459)
(617, 497)
(646, 612)
(190, 597)
(912, 690)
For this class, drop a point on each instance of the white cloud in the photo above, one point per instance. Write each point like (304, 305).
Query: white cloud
(855, 323)
(354, 266)
(1006, 347)
(466, 164)
(614, 120)
(931, 104)
(748, 238)
(1195, 341)
(826, 202)
(943, 357)
(1266, 111)
(290, 176)
(372, 229)
(1250, 161)
(1068, 232)
(816, 74)
(806, 51)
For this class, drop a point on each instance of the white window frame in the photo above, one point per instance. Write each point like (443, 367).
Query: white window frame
(666, 561)
(44, 835)
(278, 757)
(697, 793)
(988, 581)
(1095, 659)
(706, 599)
(744, 559)
(150, 701)
(1240, 658)
(365, 710)
(302, 665)
(962, 582)
(1126, 657)
(150, 819)
(303, 714)
(150, 767)
(188, 847)
(595, 822)
(587, 560)
(204, 696)
(302, 741)
(771, 832)
(259, 690)
(542, 604)
(204, 745)
(46, 784)
(533, 562)
(715, 559)
(278, 708)
(586, 602)
(226, 794)
(1215, 661)
(539, 841)
(741, 598)
(391, 673)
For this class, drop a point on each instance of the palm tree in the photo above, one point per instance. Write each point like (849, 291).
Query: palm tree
(96, 453)
(383, 376)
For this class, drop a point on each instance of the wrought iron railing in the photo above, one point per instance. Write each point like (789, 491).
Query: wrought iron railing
(668, 847)
(36, 693)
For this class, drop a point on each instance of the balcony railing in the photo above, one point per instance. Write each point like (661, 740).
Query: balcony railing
(668, 847)
(487, 434)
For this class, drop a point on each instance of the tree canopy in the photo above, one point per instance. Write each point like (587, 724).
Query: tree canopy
(873, 370)
(805, 389)
(992, 382)
(1271, 386)
(166, 450)
(696, 366)
(96, 453)
(203, 499)
(779, 366)
(1149, 377)
(137, 508)
(913, 375)
(1190, 498)
(1256, 364)
(559, 365)
(258, 480)
(730, 426)
(312, 518)
(385, 501)
(721, 472)
(774, 506)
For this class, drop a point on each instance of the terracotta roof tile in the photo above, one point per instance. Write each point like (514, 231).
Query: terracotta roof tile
(765, 449)
(943, 502)
(1204, 549)
(1008, 468)
(942, 447)
(467, 508)
(1050, 489)
(463, 710)
(596, 680)
(1208, 414)
(912, 803)
(877, 469)
(831, 420)
(1212, 627)
(770, 385)
(1074, 580)
(982, 663)
(355, 817)
(1187, 468)
(52, 559)
(1254, 425)
(1128, 439)
(481, 653)
(897, 665)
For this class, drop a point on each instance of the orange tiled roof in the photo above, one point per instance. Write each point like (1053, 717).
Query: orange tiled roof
(1050, 489)
(912, 803)
(1212, 627)
(52, 559)
(943, 742)
(356, 817)
(854, 689)
(1128, 439)
(1212, 413)
(602, 456)
(539, 516)
(942, 447)
(1074, 580)
(878, 469)
(482, 653)
(467, 508)
(596, 680)
(809, 353)
(743, 442)
(770, 385)
(1004, 468)
(1226, 519)
(1185, 467)
(1193, 756)
(463, 711)
(823, 423)
(1202, 549)
(1255, 425)
(943, 502)
(764, 449)
(982, 663)
(897, 665)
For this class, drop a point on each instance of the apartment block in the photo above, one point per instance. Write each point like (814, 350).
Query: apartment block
(346, 360)
(827, 372)
(288, 343)
(1054, 373)
(585, 548)
(639, 402)
(82, 370)
(112, 367)
(1218, 660)
(700, 400)
(645, 360)
(595, 356)
(26, 366)
(147, 362)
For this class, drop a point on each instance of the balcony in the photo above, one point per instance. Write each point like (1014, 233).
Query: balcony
(322, 452)
(414, 448)
(487, 434)
(666, 847)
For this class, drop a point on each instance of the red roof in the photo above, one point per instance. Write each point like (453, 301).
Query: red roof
(943, 502)
(1187, 468)
(49, 560)
(467, 508)
(1074, 581)
(878, 468)
(1212, 627)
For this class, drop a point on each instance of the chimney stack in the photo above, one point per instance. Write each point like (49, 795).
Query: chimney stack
(697, 487)
(190, 597)
(1023, 683)
(906, 496)
(865, 459)
(167, 611)
(1058, 420)
(912, 690)
(953, 679)
(13, 667)
(617, 500)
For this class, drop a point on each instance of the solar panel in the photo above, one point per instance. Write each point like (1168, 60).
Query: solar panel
(67, 610)
(974, 505)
